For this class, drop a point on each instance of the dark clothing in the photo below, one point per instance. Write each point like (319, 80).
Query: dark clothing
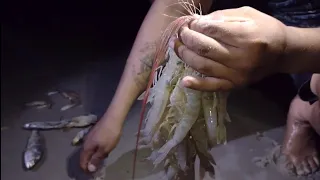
(298, 13)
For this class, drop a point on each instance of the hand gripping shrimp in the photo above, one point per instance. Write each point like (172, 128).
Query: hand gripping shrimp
(191, 114)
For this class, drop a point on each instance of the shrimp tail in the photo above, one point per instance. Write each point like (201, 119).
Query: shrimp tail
(164, 151)
(171, 173)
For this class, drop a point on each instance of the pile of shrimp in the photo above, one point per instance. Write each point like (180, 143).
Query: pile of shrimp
(181, 123)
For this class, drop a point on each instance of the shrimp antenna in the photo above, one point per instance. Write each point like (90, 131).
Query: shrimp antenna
(182, 4)
(200, 8)
(170, 16)
(181, 12)
(186, 5)
(194, 7)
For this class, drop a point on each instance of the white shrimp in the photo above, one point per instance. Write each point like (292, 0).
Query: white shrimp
(161, 98)
(177, 97)
(209, 103)
(189, 117)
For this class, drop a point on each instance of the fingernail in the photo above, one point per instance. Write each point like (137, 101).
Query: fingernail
(92, 168)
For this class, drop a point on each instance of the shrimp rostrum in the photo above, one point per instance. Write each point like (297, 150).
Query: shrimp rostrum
(181, 122)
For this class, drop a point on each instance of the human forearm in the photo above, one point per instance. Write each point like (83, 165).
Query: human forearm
(302, 53)
(139, 62)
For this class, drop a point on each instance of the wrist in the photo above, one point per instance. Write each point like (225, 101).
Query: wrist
(301, 50)
(112, 119)
(287, 64)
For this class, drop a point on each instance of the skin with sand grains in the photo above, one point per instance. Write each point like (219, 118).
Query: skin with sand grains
(141, 75)
(302, 135)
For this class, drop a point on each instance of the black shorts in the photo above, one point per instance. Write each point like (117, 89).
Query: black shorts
(302, 82)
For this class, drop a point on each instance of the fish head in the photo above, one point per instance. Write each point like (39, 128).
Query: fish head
(27, 126)
(31, 158)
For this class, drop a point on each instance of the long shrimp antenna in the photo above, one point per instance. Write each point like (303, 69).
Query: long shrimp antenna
(181, 3)
(186, 6)
(182, 13)
(160, 54)
(170, 16)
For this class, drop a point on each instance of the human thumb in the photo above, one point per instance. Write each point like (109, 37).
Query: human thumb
(96, 160)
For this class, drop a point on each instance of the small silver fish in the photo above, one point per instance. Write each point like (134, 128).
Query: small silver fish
(73, 97)
(34, 150)
(80, 136)
(50, 93)
(39, 104)
(69, 106)
(82, 121)
(46, 125)
(75, 122)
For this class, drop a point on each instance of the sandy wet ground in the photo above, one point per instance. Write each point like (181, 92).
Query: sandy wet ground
(249, 110)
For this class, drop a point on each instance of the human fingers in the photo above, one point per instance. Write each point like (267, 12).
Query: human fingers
(86, 155)
(232, 33)
(203, 65)
(207, 83)
(204, 45)
(315, 84)
(96, 160)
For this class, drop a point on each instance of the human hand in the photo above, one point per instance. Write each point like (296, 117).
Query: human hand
(231, 48)
(299, 145)
(100, 141)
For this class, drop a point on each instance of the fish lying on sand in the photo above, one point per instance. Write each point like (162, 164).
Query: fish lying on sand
(39, 104)
(50, 93)
(80, 136)
(34, 150)
(75, 122)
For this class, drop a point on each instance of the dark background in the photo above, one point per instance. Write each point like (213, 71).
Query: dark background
(42, 41)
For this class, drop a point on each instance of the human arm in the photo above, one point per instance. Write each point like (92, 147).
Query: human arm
(138, 67)
(105, 135)
(302, 52)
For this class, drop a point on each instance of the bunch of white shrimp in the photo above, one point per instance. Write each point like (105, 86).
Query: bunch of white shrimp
(182, 122)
